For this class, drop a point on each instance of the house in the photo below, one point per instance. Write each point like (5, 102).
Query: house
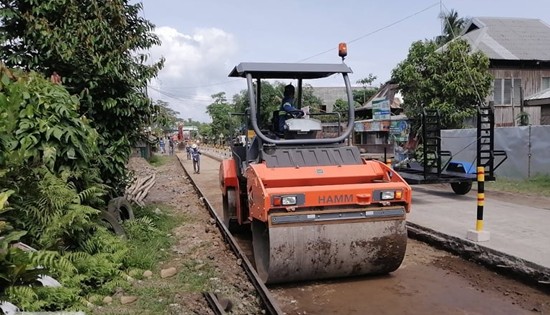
(519, 54)
(542, 100)
(379, 124)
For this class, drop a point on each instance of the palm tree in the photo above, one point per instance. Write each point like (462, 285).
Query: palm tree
(452, 28)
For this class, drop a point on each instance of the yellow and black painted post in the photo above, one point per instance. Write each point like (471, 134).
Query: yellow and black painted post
(480, 197)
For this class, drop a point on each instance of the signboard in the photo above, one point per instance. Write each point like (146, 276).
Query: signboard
(381, 109)
(371, 125)
(399, 130)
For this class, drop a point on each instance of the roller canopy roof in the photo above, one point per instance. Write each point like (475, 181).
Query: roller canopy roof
(288, 70)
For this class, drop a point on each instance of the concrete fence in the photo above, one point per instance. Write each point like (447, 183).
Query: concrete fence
(528, 149)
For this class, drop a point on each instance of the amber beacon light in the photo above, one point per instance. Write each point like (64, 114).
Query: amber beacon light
(342, 50)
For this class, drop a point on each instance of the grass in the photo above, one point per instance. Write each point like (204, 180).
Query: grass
(538, 185)
(158, 160)
(151, 240)
(149, 235)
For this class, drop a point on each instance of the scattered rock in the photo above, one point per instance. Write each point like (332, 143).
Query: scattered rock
(199, 266)
(239, 261)
(169, 272)
(128, 299)
(147, 274)
(157, 211)
(107, 300)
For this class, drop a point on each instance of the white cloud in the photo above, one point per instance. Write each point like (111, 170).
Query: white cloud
(194, 65)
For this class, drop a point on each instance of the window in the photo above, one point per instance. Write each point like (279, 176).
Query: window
(545, 83)
(507, 91)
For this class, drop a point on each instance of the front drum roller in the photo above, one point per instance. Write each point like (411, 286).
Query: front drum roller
(289, 253)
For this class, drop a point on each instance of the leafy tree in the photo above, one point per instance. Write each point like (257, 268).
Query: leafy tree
(452, 80)
(363, 95)
(48, 173)
(205, 130)
(452, 27)
(340, 106)
(164, 119)
(40, 125)
(97, 48)
(222, 121)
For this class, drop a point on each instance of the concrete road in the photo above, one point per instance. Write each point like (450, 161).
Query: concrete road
(515, 228)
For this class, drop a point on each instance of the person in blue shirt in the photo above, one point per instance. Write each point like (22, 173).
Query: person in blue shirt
(196, 156)
(287, 105)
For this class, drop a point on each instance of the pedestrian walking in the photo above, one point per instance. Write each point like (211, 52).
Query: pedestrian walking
(171, 146)
(196, 156)
(188, 150)
(161, 143)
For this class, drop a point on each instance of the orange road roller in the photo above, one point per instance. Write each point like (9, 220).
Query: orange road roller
(316, 208)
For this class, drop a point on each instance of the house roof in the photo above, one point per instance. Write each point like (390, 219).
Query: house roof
(509, 38)
(544, 94)
(388, 91)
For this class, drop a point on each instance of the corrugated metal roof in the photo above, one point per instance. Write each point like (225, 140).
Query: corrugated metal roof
(510, 38)
(539, 96)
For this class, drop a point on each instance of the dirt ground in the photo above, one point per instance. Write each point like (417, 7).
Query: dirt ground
(229, 281)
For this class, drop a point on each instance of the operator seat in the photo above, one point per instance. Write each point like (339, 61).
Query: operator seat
(275, 120)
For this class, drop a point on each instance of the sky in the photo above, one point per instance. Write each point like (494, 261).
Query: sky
(203, 40)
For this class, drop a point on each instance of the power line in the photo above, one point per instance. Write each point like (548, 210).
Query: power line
(179, 98)
(207, 85)
(376, 31)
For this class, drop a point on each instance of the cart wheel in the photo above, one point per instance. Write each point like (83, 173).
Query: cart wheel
(461, 188)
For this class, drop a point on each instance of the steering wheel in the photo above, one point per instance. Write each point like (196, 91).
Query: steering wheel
(296, 113)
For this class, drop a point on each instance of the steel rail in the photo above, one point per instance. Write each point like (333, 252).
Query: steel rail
(268, 301)
(215, 305)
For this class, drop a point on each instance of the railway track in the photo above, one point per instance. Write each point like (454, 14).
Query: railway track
(268, 302)
(429, 280)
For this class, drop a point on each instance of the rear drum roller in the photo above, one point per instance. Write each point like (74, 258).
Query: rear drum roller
(461, 188)
(230, 211)
(289, 253)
